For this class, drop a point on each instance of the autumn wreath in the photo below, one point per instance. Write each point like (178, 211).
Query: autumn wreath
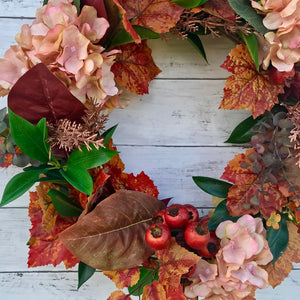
(68, 68)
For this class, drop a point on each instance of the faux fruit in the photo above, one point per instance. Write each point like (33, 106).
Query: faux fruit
(158, 236)
(176, 216)
(159, 217)
(211, 248)
(193, 213)
(196, 235)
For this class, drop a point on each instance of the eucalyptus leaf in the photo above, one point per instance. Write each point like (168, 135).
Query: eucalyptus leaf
(63, 204)
(220, 214)
(146, 277)
(28, 137)
(252, 45)
(19, 184)
(85, 272)
(3, 113)
(244, 9)
(79, 178)
(244, 131)
(278, 239)
(107, 135)
(123, 37)
(88, 159)
(190, 3)
(196, 42)
(213, 186)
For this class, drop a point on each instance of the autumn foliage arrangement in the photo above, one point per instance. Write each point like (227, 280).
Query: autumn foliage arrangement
(70, 67)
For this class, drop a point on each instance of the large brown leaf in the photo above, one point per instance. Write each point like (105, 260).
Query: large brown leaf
(39, 94)
(111, 237)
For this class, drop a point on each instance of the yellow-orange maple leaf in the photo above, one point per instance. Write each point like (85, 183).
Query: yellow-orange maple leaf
(124, 278)
(283, 266)
(118, 295)
(247, 88)
(154, 291)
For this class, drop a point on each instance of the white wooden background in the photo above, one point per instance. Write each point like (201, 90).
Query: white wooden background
(173, 133)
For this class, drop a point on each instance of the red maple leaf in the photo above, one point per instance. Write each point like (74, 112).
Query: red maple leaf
(118, 295)
(45, 247)
(154, 291)
(124, 278)
(249, 195)
(135, 67)
(141, 183)
(248, 88)
(158, 15)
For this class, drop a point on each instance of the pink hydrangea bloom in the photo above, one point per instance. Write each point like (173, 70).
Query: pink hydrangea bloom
(67, 44)
(237, 270)
(284, 44)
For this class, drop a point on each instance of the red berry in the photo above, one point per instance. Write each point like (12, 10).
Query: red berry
(158, 236)
(191, 271)
(159, 217)
(278, 77)
(176, 216)
(211, 248)
(193, 213)
(204, 220)
(196, 235)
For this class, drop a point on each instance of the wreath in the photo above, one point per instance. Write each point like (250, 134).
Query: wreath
(69, 69)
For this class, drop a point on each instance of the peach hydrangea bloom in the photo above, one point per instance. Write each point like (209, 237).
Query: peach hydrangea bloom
(283, 20)
(237, 270)
(68, 45)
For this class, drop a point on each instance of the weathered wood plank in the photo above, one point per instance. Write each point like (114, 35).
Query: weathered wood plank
(19, 8)
(171, 169)
(62, 286)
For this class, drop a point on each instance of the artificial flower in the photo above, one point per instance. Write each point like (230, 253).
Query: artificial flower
(274, 220)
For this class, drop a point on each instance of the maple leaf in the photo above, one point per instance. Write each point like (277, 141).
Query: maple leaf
(124, 278)
(154, 291)
(7, 161)
(141, 183)
(45, 247)
(158, 15)
(118, 295)
(174, 262)
(248, 88)
(248, 195)
(135, 67)
(220, 9)
(279, 270)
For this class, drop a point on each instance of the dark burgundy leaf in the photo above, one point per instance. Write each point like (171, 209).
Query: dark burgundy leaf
(39, 94)
(99, 6)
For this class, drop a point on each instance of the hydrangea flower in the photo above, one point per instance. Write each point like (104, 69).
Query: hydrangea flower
(237, 271)
(68, 45)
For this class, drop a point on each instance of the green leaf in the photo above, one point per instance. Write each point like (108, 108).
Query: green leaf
(190, 3)
(28, 137)
(41, 125)
(252, 45)
(79, 178)
(244, 131)
(196, 42)
(244, 9)
(278, 239)
(64, 205)
(107, 135)
(213, 186)
(45, 2)
(53, 176)
(220, 214)
(123, 37)
(19, 184)
(146, 277)
(77, 4)
(88, 159)
(85, 272)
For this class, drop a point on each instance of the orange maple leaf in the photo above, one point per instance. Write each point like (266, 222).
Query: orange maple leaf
(158, 15)
(141, 183)
(279, 270)
(124, 278)
(135, 67)
(174, 262)
(154, 291)
(248, 88)
(118, 295)
(248, 195)
(45, 247)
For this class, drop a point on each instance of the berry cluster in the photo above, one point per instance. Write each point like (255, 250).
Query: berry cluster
(182, 221)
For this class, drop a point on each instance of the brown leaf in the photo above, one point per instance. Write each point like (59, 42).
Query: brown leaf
(111, 237)
(283, 266)
(43, 96)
